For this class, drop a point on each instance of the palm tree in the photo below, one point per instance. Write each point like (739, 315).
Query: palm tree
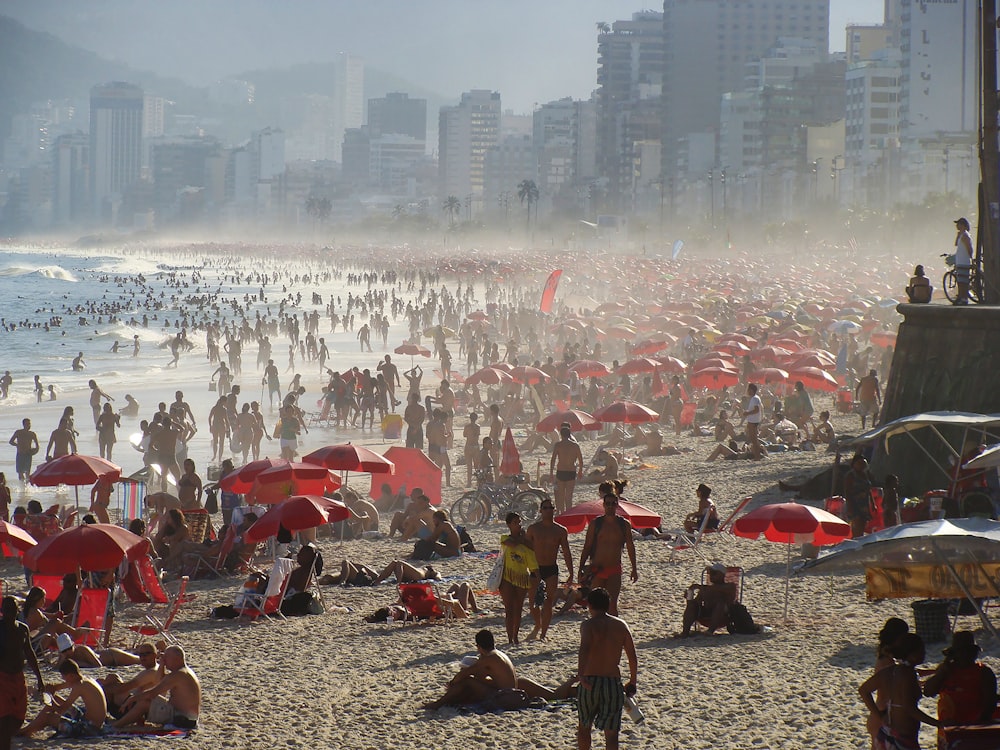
(603, 27)
(451, 206)
(527, 190)
(398, 211)
(319, 208)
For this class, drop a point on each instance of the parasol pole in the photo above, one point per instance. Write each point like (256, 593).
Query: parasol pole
(788, 571)
(965, 589)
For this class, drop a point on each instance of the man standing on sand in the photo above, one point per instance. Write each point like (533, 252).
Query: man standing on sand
(566, 466)
(391, 373)
(754, 415)
(414, 415)
(869, 395)
(13, 690)
(547, 537)
(601, 697)
(183, 706)
(492, 672)
(607, 536)
(26, 444)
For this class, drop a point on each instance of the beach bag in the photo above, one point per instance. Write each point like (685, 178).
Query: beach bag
(496, 575)
(741, 621)
(465, 539)
(212, 501)
(423, 549)
(211, 385)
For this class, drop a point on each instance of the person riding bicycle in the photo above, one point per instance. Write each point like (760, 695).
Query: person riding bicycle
(963, 260)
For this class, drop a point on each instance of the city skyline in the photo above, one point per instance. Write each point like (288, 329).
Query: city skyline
(232, 38)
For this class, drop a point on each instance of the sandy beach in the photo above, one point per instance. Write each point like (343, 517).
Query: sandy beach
(333, 680)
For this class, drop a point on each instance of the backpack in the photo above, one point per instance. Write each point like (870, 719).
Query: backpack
(463, 536)
(741, 621)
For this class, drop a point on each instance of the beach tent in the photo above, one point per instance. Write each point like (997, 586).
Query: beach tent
(413, 469)
(941, 559)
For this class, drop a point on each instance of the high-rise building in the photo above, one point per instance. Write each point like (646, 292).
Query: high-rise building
(508, 164)
(115, 144)
(70, 179)
(466, 132)
(630, 58)
(348, 98)
(708, 42)
(864, 41)
(181, 167)
(563, 137)
(939, 87)
(398, 113)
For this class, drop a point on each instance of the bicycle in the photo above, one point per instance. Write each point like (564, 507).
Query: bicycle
(478, 506)
(949, 282)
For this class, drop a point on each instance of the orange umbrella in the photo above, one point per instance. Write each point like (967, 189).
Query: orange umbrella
(527, 375)
(576, 518)
(628, 412)
(578, 420)
(714, 378)
(489, 376)
(589, 368)
(638, 366)
(814, 379)
(510, 459)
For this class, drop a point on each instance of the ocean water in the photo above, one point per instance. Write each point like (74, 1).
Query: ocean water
(42, 286)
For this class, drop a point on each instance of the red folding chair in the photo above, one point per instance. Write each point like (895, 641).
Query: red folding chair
(91, 616)
(156, 627)
(269, 603)
(51, 585)
(422, 602)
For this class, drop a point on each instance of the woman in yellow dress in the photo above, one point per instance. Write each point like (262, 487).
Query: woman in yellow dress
(520, 571)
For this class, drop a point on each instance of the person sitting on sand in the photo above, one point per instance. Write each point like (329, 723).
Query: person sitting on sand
(482, 680)
(415, 521)
(443, 540)
(183, 706)
(724, 429)
(117, 692)
(70, 720)
(824, 433)
(730, 451)
(710, 602)
(706, 506)
(609, 473)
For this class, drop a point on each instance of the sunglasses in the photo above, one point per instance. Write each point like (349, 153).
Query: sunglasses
(547, 507)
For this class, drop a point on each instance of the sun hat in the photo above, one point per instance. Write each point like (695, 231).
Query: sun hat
(64, 642)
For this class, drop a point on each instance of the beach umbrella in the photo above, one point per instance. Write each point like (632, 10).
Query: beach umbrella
(609, 307)
(95, 546)
(489, 376)
(843, 327)
(348, 457)
(651, 346)
(883, 338)
(412, 350)
(714, 378)
(628, 412)
(293, 478)
(767, 375)
(578, 420)
(671, 365)
(638, 366)
(814, 379)
(506, 367)
(297, 513)
(589, 368)
(769, 353)
(15, 537)
(241, 480)
(810, 359)
(792, 523)
(75, 469)
(527, 375)
(737, 348)
(576, 518)
(510, 458)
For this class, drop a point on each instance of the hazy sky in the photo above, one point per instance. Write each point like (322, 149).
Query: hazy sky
(529, 50)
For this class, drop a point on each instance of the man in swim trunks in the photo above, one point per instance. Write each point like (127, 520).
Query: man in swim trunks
(547, 538)
(71, 720)
(601, 697)
(607, 536)
(26, 443)
(13, 690)
(180, 709)
(902, 716)
(492, 672)
(566, 466)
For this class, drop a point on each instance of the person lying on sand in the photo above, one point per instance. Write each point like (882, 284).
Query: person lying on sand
(358, 574)
(491, 673)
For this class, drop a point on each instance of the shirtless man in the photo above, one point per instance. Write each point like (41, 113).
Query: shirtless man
(601, 697)
(869, 395)
(62, 442)
(181, 708)
(471, 434)
(496, 432)
(899, 684)
(547, 538)
(437, 443)
(413, 377)
(70, 720)
(218, 425)
(13, 690)
(414, 415)
(25, 443)
(607, 535)
(416, 519)
(391, 373)
(117, 692)
(492, 672)
(566, 466)
(711, 601)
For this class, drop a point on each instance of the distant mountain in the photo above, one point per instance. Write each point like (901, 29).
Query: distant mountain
(36, 66)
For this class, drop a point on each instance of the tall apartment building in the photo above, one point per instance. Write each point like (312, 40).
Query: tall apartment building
(872, 119)
(939, 86)
(115, 143)
(630, 58)
(864, 41)
(508, 164)
(564, 134)
(707, 43)
(466, 132)
(348, 98)
(398, 113)
(71, 179)
(188, 176)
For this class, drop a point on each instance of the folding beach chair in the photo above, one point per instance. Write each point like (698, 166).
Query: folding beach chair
(728, 522)
(684, 540)
(91, 615)
(734, 575)
(423, 602)
(269, 603)
(157, 627)
(199, 525)
(216, 563)
(392, 427)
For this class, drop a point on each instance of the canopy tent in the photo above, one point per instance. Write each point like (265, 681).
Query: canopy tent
(413, 469)
(944, 559)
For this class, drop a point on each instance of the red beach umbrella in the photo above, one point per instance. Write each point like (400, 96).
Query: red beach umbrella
(297, 513)
(348, 457)
(412, 350)
(589, 368)
(477, 315)
(527, 375)
(714, 378)
(294, 478)
(510, 458)
(578, 420)
(768, 375)
(628, 412)
(671, 365)
(769, 354)
(650, 347)
(792, 523)
(638, 366)
(96, 546)
(74, 469)
(576, 518)
(883, 338)
(488, 376)
(16, 537)
(241, 480)
(814, 379)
